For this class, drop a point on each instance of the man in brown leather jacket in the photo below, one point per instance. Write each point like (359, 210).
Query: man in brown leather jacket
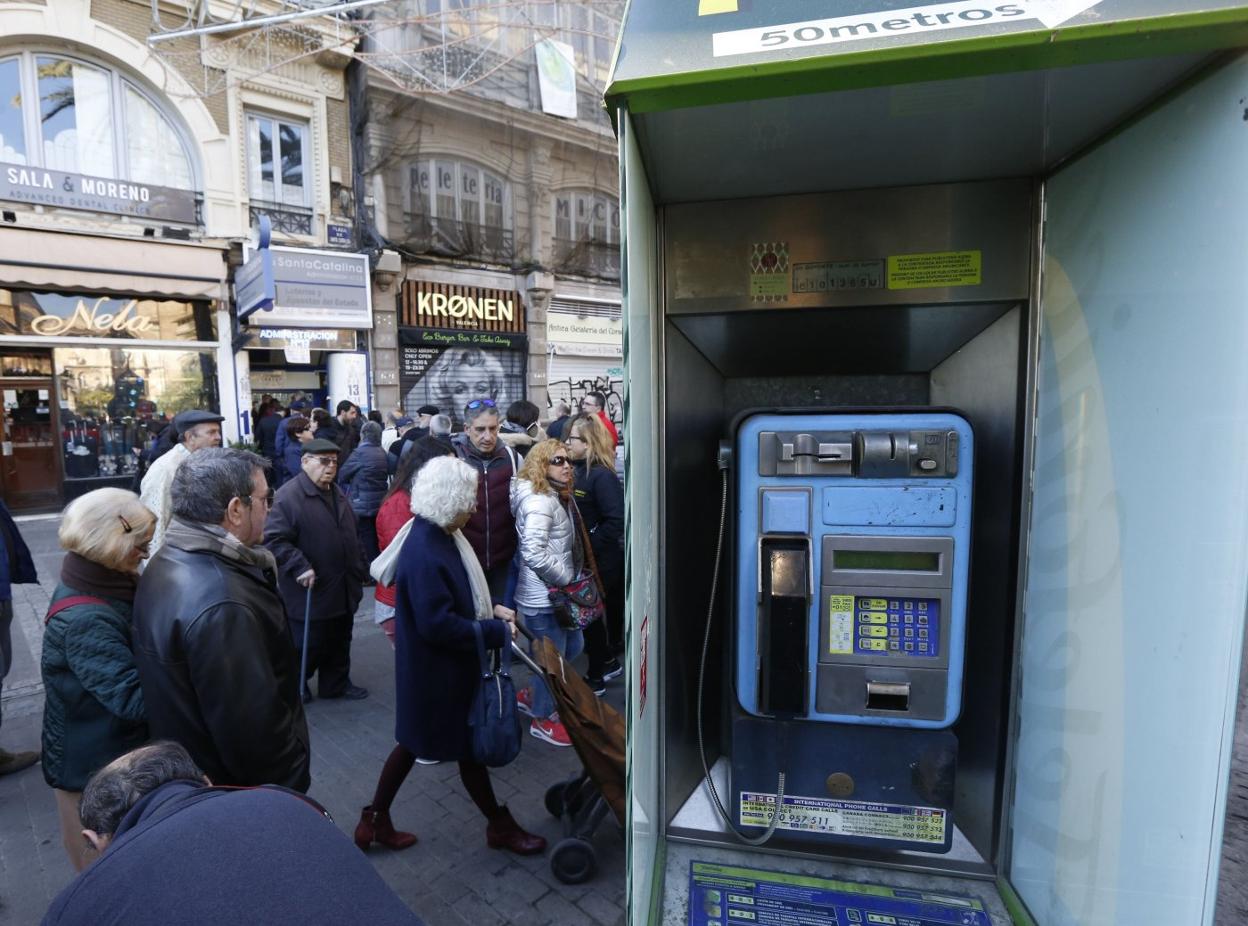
(216, 662)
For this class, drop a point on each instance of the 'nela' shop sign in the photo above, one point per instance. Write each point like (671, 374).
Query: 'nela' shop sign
(474, 308)
(63, 190)
(71, 315)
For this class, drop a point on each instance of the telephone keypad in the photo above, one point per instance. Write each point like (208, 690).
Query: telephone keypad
(889, 625)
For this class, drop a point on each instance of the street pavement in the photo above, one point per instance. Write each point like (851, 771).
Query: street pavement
(450, 877)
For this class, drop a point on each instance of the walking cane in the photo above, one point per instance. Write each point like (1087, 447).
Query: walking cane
(303, 662)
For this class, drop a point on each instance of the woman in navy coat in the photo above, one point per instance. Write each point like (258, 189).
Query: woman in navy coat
(436, 663)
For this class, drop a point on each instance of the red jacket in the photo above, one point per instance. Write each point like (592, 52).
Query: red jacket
(395, 511)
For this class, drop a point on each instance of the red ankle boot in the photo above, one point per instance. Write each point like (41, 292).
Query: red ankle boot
(504, 832)
(375, 826)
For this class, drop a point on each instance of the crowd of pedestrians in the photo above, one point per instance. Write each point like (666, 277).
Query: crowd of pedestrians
(193, 616)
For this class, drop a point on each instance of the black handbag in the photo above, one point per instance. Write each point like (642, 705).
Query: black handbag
(494, 721)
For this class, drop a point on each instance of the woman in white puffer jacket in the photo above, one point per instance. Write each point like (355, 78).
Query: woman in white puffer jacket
(550, 555)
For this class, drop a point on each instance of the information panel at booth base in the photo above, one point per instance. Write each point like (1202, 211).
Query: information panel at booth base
(723, 895)
(874, 787)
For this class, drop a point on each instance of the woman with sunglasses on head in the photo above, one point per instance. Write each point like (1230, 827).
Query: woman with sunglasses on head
(551, 555)
(600, 500)
(94, 708)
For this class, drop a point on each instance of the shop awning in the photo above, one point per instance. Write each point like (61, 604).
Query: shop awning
(67, 261)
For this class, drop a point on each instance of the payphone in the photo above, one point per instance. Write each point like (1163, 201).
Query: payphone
(850, 597)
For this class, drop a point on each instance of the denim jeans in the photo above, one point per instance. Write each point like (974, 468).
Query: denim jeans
(569, 643)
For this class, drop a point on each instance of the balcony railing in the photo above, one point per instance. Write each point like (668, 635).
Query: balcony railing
(286, 220)
(587, 257)
(463, 239)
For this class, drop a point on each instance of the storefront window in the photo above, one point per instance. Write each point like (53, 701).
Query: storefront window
(12, 130)
(75, 314)
(114, 401)
(17, 363)
(86, 118)
(75, 109)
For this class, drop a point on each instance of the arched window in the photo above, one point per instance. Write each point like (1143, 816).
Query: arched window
(460, 208)
(63, 113)
(587, 233)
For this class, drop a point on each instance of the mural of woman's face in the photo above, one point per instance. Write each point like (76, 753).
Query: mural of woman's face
(462, 375)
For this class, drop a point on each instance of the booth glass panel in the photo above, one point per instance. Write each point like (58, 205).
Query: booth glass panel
(641, 514)
(1137, 559)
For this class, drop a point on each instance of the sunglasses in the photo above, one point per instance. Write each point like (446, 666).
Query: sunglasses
(326, 461)
(481, 403)
(558, 461)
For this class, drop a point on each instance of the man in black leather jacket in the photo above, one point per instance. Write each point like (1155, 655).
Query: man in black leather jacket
(216, 662)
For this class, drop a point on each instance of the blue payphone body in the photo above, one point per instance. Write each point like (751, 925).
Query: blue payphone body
(853, 549)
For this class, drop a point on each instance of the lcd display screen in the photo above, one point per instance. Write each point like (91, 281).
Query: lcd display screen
(898, 560)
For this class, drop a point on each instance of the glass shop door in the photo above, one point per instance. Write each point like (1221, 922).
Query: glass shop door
(30, 471)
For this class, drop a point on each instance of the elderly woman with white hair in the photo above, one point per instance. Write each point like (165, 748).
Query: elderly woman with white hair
(94, 709)
(440, 590)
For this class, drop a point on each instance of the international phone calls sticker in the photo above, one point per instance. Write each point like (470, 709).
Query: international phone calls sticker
(769, 271)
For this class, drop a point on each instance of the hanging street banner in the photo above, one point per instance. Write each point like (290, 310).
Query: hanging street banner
(60, 189)
(556, 77)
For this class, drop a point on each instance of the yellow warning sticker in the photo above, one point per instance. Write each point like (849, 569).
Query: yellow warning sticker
(935, 270)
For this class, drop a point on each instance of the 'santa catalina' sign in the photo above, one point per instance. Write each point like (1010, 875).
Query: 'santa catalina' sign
(60, 189)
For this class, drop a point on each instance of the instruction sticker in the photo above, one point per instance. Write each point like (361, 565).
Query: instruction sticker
(841, 625)
(935, 270)
(865, 819)
(769, 271)
(838, 276)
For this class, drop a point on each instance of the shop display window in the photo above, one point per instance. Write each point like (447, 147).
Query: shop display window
(16, 363)
(113, 402)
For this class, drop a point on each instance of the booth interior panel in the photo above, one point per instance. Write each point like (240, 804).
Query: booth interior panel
(693, 425)
(981, 381)
(973, 128)
(850, 341)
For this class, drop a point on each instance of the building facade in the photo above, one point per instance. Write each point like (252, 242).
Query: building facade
(491, 171)
(131, 174)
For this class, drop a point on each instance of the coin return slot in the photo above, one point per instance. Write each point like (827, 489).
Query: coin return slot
(886, 696)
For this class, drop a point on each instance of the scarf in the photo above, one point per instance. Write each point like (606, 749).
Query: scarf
(564, 492)
(212, 538)
(476, 577)
(91, 578)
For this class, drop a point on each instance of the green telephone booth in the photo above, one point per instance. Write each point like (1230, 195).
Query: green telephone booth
(1032, 212)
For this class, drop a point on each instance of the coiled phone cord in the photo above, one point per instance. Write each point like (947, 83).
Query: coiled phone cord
(706, 643)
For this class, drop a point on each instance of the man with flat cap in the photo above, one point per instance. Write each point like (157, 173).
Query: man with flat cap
(419, 429)
(194, 430)
(311, 532)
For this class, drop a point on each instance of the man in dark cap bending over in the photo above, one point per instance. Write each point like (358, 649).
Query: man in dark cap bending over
(193, 430)
(173, 849)
(311, 531)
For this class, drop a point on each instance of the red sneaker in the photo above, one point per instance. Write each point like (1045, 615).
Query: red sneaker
(552, 731)
(524, 701)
